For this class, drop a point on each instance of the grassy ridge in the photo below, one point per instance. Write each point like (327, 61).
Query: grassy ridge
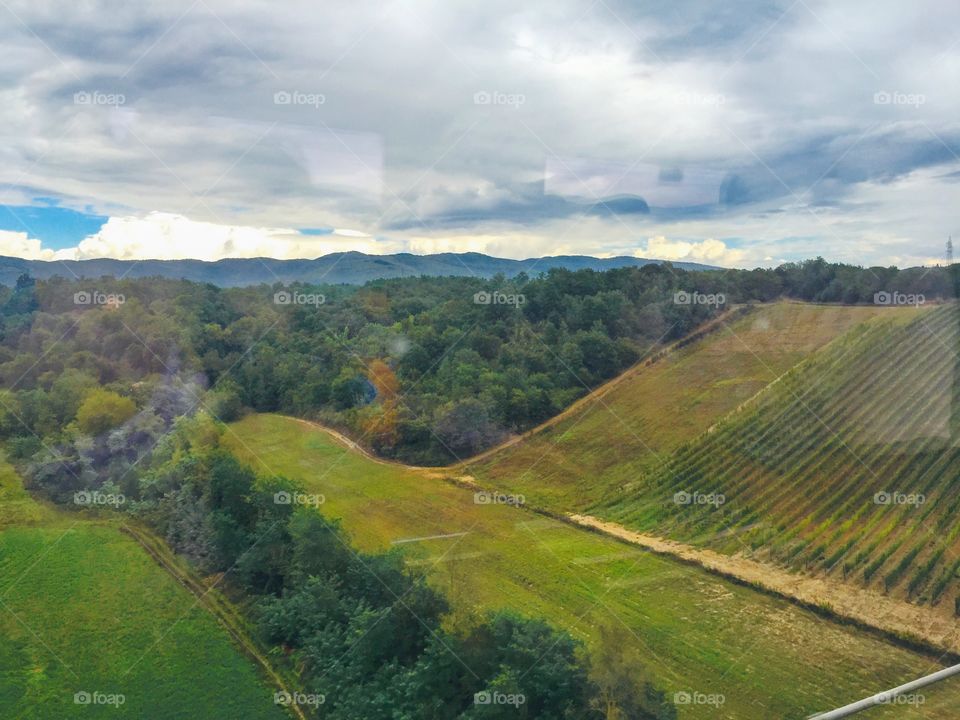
(83, 608)
(698, 632)
(849, 466)
(612, 443)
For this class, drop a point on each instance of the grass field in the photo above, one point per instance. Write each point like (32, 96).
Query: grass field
(84, 609)
(848, 467)
(696, 632)
(614, 441)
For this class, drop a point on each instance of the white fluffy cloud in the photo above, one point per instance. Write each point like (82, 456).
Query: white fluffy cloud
(165, 236)
(19, 244)
(710, 251)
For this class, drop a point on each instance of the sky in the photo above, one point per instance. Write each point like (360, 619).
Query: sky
(739, 134)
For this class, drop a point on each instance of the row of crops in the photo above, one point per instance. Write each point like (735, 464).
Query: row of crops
(849, 465)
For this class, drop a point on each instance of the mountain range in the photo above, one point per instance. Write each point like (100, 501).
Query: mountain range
(351, 268)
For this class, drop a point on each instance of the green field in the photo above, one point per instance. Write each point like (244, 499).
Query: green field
(610, 443)
(696, 632)
(84, 608)
(848, 467)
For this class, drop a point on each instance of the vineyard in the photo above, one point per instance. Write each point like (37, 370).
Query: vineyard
(627, 429)
(848, 466)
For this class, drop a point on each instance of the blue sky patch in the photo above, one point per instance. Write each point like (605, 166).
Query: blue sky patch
(57, 227)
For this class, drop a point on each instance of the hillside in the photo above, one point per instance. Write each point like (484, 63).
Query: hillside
(847, 467)
(615, 437)
(353, 268)
(694, 631)
(84, 609)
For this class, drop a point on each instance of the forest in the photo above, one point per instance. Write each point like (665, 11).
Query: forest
(417, 369)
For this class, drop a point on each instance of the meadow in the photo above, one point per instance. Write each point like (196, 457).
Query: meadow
(83, 609)
(689, 630)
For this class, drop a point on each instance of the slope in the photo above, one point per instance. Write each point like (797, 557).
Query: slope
(847, 468)
(698, 633)
(626, 429)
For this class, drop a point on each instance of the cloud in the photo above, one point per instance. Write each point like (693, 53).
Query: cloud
(698, 120)
(166, 236)
(346, 232)
(19, 244)
(711, 252)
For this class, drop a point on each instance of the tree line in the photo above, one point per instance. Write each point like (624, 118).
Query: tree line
(425, 370)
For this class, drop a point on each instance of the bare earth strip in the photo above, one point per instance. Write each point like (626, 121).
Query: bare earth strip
(920, 625)
(863, 607)
(923, 626)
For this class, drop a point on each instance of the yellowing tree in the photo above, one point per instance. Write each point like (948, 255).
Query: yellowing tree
(384, 381)
(383, 426)
(103, 410)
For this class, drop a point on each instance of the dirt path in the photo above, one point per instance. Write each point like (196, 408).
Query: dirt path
(346, 442)
(861, 606)
(591, 397)
(213, 602)
(432, 472)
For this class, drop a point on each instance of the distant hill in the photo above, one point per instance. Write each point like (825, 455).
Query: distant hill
(351, 268)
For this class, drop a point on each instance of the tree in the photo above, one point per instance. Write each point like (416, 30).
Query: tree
(382, 424)
(224, 403)
(623, 691)
(68, 393)
(103, 410)
(466, 429)
(526, 657)
(23, 300)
